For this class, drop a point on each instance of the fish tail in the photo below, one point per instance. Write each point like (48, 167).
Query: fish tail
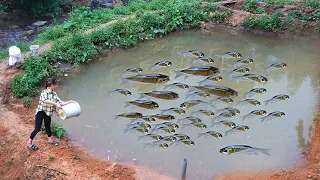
(201, 135)
(226, 133)
(264, 151)
(142, 95)
(122, 75)
(201, 82)
(123, 81)
(266, 69)
(148, 145)
(213, 123)
(151, 68)
(127, 104)
(178, 74)
(141, 137)
(109, 92)
(267, 102)
(179, 120)
(263, 118)
(184, 126)
(188, 95)
(126, 130)
(236, 78)
(116, 117)
(133, 120)
(244, 117)
(246, 94)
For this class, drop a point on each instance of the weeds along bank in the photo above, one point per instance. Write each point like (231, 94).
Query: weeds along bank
(150, 20)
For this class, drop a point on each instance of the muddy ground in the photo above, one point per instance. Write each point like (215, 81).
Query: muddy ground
(17, 162)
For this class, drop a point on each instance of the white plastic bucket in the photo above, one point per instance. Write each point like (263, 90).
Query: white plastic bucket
(15, 55)
(34, 50)
(70, 110)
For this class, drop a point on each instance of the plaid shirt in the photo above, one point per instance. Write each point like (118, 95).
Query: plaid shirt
(50, 95)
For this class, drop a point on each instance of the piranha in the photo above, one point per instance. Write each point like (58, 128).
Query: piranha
(191, 103)
(157, 143)
(178, 84)
(275, 114)
(196, 124)
(254, 113)
(198, 71)
(131, 70)
(255, 91)
(164, 116)
(192, 53)
(251, 78)
(169, 124)
(233, 149)
(137, 128)
(141, 124)
(164, 128)
(149, 78)
(218, 90)
(230, 109)
(241, 62)
(129, 115)
(198, 93)
(276, 66)
(224, 115)
(249, 101)
(184, 141)
(214, 78)
(181, 136)
(190, 118)
(121, 91)
(176, 110)
(166, 95)
(203, 59)
(153, 136)
(205, 112)
(160, 64)
(211, 133)
(280, 97)
(145, 118)
(235, 129)
(224, 122)
(227, 55)
(239, 70)
(143, 104)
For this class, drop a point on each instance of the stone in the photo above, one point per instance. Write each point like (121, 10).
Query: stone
(14, 27)
(39, 23)
(28, 33)
(41, 29)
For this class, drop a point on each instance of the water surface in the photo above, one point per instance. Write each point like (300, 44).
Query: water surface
(104, 136)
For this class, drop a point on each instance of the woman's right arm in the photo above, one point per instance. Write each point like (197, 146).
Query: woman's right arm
(44, 98)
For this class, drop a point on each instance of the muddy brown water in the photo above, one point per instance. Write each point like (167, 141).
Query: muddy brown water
(285, 137)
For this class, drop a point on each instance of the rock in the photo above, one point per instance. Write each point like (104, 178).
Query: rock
(39, 23)
(309, 176)
(41, 29)
(28, 33)
(14, 27)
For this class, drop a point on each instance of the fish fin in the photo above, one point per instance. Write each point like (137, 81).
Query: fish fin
(148, 145)
(246, 94)
(124, 81)
(151, 68)
(264, 151)
(226, 133)
(109, 92)
(178, 74)
(268, 101)
(142, 95)
(263, 118)
(126, 130)
(213, 123)
(129, 125)
(244, 117)
(201, 135)
(133, 120)
(122, 75)
(201, 82)
(126, 104)
(116, 117)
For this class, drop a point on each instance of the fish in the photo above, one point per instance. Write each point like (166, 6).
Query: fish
(223, 99)
(280, 97)
(153, 136)
(202, 59)
(218, 90)
(205, 112)
(121, 91)
(131, 70)
(129, 115)
(185, 141)
(166, 95)
(276, 66)
(239, 70)
(176, 110)
(169, 124)
(145, 118)
(254, 113)
(143, 104)
(211, 133)
(241, 62)
(181, 136)
(251, 78)
(275, 114)
(255, 91)
(196, 124)
(233, 149)
(164, 128)
(157, 143)
(225, 115)
(192, 53)
(232, 54)
(190, 118)
(177, 84)
(198, 71)
(214, 78)
(230, 109)
(141, 124)
(164, 116)
(198, 93)
(224, 122)
(160, 64)
(191, 103)
(137, 128)
(237, 129)
(250, 101)
(148, 78)
(169, 138)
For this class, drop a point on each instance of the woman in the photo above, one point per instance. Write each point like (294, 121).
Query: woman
(48, 103)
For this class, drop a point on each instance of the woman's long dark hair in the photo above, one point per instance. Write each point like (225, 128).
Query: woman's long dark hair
(51, 81)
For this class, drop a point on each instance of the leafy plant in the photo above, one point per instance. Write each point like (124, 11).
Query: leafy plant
(27, 100)
(295, 13)
(279, 2)
(10, 162)
(312, 3)
(56, 129)
(51, 158)
(3, 54)
(265, 22)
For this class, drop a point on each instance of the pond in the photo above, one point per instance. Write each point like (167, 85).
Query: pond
(285, 137)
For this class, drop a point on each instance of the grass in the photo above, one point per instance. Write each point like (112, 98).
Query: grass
(56, 129)
(266, 22)
(51, 158)
(312, 3)
(10, 162)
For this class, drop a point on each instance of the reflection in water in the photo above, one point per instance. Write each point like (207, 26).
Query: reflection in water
(105, 135)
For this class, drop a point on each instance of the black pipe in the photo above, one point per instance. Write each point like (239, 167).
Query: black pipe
(184, 169)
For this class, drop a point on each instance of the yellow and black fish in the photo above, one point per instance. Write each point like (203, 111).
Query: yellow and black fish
(143, 104)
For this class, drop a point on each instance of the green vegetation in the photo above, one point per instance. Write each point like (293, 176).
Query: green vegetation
(153, 19)
(75, 157)
(10, 162)
(24, 46)
(56, 129)
(312, 3)
(27, 101)
(51, 158)
(265, 22)
(279, 2)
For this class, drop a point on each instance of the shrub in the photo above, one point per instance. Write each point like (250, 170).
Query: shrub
(56, 129)
(27, 100)
(265, 22)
